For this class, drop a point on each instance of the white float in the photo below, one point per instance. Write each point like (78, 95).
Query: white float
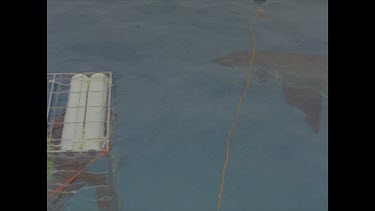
(96, 113)
(73, 130)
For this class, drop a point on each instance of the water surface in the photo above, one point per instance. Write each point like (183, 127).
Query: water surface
(175, 104)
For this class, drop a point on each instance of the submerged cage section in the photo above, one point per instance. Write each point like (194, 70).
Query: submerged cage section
(79, 117)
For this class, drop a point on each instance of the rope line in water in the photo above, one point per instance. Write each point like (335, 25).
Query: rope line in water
(260, 8)
(101, 154)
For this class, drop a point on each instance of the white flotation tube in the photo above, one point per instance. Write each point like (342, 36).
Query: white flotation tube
(95, 112)
(75, 113)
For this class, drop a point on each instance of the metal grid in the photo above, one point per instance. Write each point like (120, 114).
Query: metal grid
(58, 89)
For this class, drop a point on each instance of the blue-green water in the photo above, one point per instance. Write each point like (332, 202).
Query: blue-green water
(175, 106)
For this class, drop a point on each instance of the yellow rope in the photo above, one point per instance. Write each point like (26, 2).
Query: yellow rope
(260, 9)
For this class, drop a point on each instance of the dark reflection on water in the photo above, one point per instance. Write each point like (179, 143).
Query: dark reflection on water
(304, 78)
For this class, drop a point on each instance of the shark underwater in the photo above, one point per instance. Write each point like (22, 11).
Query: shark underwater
(303, 77)
(61, 167)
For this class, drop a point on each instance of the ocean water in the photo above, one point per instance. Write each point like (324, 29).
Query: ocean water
(174, 104)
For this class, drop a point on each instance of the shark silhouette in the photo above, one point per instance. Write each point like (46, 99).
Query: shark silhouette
(304, 78)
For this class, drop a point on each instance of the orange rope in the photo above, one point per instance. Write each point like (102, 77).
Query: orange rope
(238, 109)
(101, 154)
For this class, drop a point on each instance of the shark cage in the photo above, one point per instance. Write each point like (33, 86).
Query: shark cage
(79, 126)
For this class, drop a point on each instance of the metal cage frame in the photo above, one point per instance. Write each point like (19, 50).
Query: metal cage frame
(58, 89)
